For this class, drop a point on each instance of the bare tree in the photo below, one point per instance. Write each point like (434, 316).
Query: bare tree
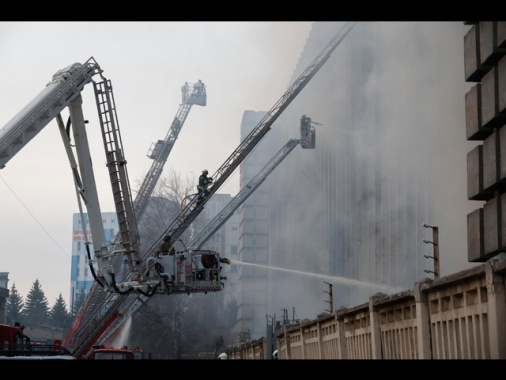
(176, 326)
(169, 198)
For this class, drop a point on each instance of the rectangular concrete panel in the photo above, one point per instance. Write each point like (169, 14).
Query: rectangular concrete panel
(490, 116)
(491, 237)
(474, 130)
(501, 86)
(471, 57)
(502, 155)
(487, 29)
(501, 35)
(490, 161)
(489, 51)
(503, 222)
(475, 174)
(488, 99)
(473, 69)
(475, 237)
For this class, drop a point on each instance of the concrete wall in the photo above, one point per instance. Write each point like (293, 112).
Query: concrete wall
(461, 316)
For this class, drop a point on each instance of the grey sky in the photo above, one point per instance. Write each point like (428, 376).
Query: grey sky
(245, 66)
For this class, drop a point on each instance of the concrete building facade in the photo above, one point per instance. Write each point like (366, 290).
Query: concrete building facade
(81, 278)
(389, 157)
(485, 68)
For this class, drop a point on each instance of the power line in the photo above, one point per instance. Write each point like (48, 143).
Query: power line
(34, 218)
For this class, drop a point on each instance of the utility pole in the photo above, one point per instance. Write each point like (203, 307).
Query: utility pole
(331, 298)
(435, 245)
(285, 316)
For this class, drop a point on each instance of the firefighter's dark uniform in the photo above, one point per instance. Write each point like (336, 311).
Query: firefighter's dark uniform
(166, 247)
(204, 182)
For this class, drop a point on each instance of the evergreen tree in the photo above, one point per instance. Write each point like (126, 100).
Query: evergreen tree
(14, 307)
(36, 307)
(59, 316)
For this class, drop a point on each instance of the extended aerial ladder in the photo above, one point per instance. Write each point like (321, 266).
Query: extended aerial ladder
(214, 225)
(65, 91)
(159, 152)
(141, 280)
(191, 211)
(307, 141)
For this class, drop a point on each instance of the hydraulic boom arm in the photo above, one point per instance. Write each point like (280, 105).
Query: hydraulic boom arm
(160, 150)
(98, 299)
(179, 225)
(151, 281)
(64, 88)
(220, 219)
(132, 304)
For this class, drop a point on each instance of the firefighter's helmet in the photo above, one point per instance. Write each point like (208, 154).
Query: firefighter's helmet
(223, 356)
(205, 171)
(166, 238)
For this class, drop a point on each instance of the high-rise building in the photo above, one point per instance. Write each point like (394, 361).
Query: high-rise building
(388, 158)
(253, 234)
(81, 277)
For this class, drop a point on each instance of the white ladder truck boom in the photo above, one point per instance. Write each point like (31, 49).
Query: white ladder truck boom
(151, 275)
(97, 298)
(307, 141)
(220, 219)
(130, 306)
(65, 86)
(160, 150)
(65, 91)
(178, 226)
(189, 213)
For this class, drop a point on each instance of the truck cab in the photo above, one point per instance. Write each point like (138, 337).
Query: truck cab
(14, 344)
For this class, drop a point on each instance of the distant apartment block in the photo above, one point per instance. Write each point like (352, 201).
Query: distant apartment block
(81, 278)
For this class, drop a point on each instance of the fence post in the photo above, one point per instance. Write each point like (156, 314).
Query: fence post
(495, 271)
(422, 322)
(375, 326)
